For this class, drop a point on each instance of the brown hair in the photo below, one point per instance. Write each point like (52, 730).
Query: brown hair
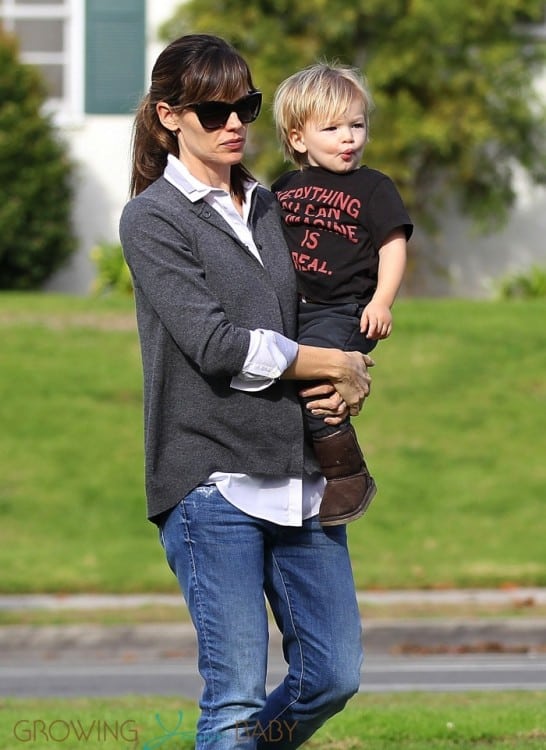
(193, 68)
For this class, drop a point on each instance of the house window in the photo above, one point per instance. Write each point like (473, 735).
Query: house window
(91, 52)
(50, 34)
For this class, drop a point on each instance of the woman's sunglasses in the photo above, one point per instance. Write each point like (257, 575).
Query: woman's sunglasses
(214, 115)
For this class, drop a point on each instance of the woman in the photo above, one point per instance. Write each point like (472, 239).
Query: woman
(230, 480)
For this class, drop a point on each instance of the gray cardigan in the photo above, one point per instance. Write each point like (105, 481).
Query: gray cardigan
(198, 292)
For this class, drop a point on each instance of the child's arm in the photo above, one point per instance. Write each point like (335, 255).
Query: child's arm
(376, 320)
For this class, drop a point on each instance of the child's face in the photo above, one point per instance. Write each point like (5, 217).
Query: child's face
(336, 145)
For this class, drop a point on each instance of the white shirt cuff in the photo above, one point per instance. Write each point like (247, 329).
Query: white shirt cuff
(269, 354)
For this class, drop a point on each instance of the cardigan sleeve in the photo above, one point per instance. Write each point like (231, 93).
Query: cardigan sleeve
(171, 290)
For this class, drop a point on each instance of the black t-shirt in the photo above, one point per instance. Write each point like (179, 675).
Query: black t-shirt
(334, 225)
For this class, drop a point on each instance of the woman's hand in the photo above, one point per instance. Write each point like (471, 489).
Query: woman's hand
(354, 381)
(346, 371)
(331, 406)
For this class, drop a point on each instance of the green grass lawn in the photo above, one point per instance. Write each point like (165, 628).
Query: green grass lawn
(403, 721)
(453, 433)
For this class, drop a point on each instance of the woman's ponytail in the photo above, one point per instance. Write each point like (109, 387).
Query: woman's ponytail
(151, 144)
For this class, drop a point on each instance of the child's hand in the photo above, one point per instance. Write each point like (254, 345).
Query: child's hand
(376, 320)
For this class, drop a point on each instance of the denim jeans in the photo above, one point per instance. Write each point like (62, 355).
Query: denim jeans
(225, 560)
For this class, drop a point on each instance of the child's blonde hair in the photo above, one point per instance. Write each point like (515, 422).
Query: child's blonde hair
(319, 93)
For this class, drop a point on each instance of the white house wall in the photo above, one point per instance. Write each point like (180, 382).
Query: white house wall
(462, 263)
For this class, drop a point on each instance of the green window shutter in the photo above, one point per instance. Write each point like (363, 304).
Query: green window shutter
(114, 55)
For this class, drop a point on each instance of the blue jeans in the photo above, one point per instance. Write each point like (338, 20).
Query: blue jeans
(225, 560)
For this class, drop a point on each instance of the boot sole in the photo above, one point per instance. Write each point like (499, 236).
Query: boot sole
(348, 517)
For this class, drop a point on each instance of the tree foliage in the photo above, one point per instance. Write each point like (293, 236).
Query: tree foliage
(35, 191)
(453, 82)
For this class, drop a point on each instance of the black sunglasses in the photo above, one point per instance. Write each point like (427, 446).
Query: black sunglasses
(214, 115)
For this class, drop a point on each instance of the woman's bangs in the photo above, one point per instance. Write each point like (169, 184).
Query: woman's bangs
(221, 80)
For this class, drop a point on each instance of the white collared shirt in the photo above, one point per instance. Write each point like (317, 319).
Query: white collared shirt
(282, 500)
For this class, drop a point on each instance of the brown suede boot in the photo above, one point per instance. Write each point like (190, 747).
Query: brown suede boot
(349, 487)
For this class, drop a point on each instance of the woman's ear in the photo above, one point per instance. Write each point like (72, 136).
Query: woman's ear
(297, 141)
(167, 117)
